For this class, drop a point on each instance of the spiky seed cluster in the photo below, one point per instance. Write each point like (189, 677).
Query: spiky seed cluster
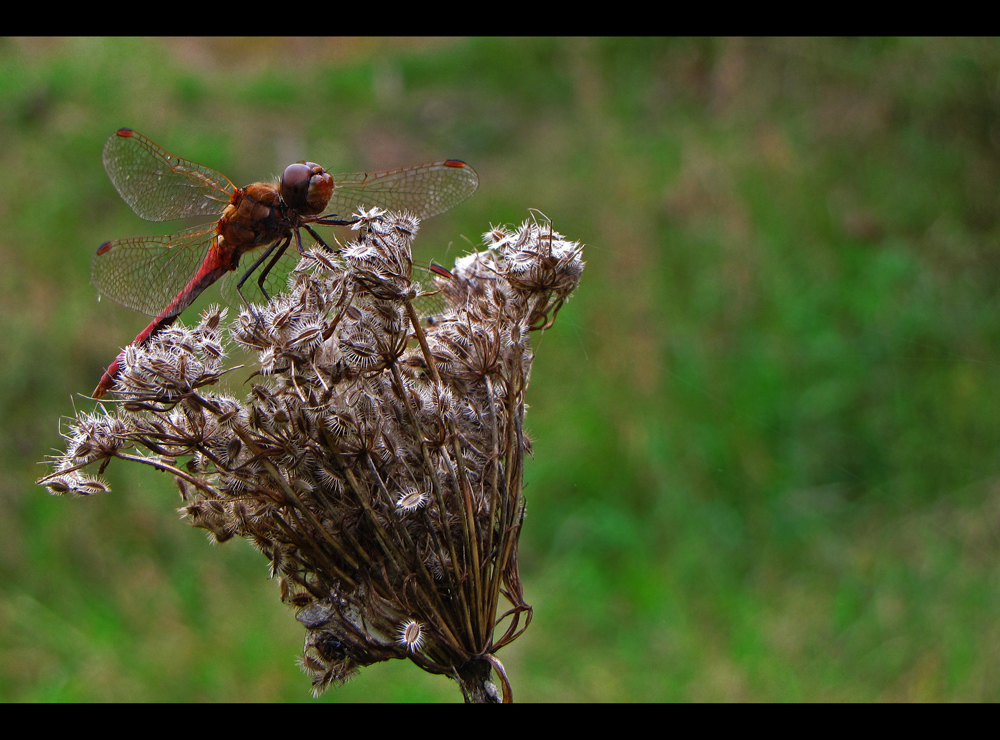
(377, 463)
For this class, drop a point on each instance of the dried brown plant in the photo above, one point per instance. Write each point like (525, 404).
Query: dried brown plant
(378, 459)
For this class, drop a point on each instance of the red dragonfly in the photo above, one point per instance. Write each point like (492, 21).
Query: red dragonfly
(162, 275)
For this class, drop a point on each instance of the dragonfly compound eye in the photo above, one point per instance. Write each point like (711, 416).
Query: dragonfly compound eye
(306, 187)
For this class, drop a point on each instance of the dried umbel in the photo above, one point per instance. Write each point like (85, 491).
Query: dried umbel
(378, 459)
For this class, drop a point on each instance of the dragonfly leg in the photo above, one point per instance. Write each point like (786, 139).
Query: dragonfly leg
(317, 237)
(328, 220)
(280, 245)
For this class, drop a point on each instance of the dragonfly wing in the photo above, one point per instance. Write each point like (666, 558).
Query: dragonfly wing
(146, 274)
(159, 186)
(424, 189)
(431, 303)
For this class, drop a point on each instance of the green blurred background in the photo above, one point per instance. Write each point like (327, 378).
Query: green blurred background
(766, 429)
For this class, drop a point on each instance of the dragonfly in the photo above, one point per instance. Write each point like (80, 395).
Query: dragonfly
(161, 276)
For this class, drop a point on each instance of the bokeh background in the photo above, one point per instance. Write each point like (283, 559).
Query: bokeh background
(766, 428)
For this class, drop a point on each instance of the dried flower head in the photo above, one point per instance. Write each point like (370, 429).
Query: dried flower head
(377, 462)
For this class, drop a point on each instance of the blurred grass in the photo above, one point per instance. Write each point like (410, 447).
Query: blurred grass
(765, 429)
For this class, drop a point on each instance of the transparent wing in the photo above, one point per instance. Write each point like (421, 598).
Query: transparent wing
(424, 189)
(147, 273)
(159, 186)
(431, 303)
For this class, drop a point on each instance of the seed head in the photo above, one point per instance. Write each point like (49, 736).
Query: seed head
(411, 635)
(410, 499)
(377, 459)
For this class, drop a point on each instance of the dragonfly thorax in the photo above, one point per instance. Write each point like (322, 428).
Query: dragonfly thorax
(255, 217)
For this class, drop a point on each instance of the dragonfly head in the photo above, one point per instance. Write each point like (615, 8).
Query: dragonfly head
(306, 187)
